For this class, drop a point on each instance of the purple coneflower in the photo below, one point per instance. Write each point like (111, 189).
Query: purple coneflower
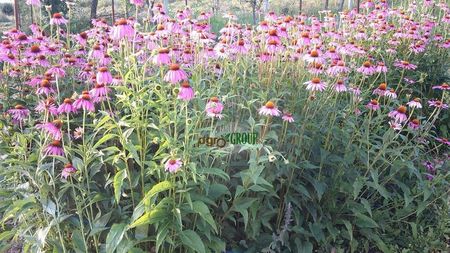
(340, 86)
(68, 171)
(162, 58)
(103, 76)
(404, 65)
(175, 74)
(67, 107)
(443, 86)
(395, 125)
(269, 109)
(381, 68)
(47, 105)
(58, 19)
(214, 108)
(173, 165)
(78, 133)
(373, 105)
(381, 90)
(19, 113)
(52, 128)
(313, 57)
(415, 103)
(186, 92)
(287, 117)
(315, 84)
(414, 124)
(438, 104)
(34, 2)
(54, 148)
(367, 69)
(139, 3)
(84, 102)
(122, 30)
(443, 141)
(391, 94)
(45, 88)
(399, 115)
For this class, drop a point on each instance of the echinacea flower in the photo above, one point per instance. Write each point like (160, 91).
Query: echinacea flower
(54, 148)
(67, 107)
(443, 141)
(84, 102)
(381, 90)
(175, 74)
(58, 19)
(404, 65)
(443, 86)
(52, 128)
(395, 125)
(47, 105)
(173, 165)
(415, 103)
(19, 114)
(103, 76)
(437, 104)
(139, 3)
(99, 92)
(373, 105)
(122, 29)
(269, 109)
(45, 88)
(367, 69)
(68, 170)
(33, 2)
(78, 133)
(414, 124)
(391, 94)
(186, 92)
(214, 108)
(162, 58)
(315, 84)
(287, 117)
(399, 115)
(340, 86)
(313, 57)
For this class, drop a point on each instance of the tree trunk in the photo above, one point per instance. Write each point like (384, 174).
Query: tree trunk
(113, 12)
(94, 5)
(341, 5)
(17, 14)
(300, 5)
(185, 2)
(326, 4)
(350, 4)
(357, 5)
(266, 6)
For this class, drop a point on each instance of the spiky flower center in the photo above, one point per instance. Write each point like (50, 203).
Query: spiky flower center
(270, 105)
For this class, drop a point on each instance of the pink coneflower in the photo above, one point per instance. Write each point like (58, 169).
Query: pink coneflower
(47, 105)
(67, 107)
(367, 69)
(78, 133)
(381, 68)
(313, 57)
(99, 92)
(338, 68)
(57, 71)
(68, 171)
(240, 47)
(84, 102)
(373, 105)
(395, 125)
(415, 103)
(117, 80)
(54, 148)
(103, 76)
(175, 74)
(315, 84)
(186, 92)
(45, 88)
(52, 128)
(34, 2)
(162, 58)
(391, 94)
(269, 109)
(58, 19)
(19, 114)
(438, 104)
(340, 86)
(214, 108)
(404, 65)
(381, 90)
(304, 40)
(399, 115)
(443, 141)
(273, 46)
(173, 165)
(122, 30)
(287, 117)
(414, 124)
(443, 86)
(139, 3)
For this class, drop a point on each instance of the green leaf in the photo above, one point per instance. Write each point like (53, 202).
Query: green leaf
(104, 139)
(78, 242)
(115, 236)
(5, 236)
(155, 215)
(192, 240)
(203, 211)
(118, 183)
(364, 221)
(357, 186)
(159, 187)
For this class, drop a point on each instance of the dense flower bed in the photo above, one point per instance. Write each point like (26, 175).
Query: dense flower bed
(109, 137)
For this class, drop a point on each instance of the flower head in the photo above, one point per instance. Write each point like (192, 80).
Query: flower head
(399, 115)
(84, 102)
(315, 84)
(58, 19)
(68, 170)
(54, 148)
(186, 92)
(175, 74)
(373, 105)
(173, 165)
(214, 108)
(269, 109)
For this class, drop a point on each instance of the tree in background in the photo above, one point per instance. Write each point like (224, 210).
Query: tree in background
(56, 5)
(94, 5)
(326, 4)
